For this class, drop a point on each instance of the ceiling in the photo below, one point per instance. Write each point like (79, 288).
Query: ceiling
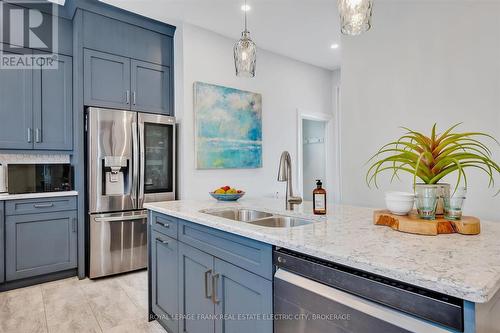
(300, 29)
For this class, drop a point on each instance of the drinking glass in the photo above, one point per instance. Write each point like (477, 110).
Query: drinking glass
(454, 203)
(426, 201)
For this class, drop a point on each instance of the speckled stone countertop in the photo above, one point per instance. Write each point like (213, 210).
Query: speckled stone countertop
(6, 196)
(466, 267)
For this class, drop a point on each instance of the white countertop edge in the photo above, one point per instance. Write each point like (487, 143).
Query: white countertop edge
(6, 196)
(477, 295)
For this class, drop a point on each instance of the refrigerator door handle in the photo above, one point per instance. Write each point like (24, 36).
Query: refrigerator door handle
(121, 218)
(141, 164)
(135, 165)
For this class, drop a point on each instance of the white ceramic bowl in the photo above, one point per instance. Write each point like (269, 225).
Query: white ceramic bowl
(399, 203)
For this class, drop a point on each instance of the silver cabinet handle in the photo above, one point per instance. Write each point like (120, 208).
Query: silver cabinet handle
(215, 280)
(73, 222)
(133, 98)
(43, 205)
(161, 241)
(127, 97)
(37, 135)
(165, 225)
(120, 218)
(29, 135)
(207, 274)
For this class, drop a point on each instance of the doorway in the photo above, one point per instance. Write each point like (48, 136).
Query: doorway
(313, 155)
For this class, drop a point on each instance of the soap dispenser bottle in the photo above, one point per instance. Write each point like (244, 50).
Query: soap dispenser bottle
(319, 199)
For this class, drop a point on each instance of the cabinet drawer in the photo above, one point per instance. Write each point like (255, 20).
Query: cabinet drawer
(246, 253)
(165, 224)
(40, 205)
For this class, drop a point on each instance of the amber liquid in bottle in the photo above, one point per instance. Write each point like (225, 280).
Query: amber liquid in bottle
(319, 199)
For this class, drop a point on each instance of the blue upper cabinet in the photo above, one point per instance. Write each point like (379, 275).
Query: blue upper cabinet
(129, 40)
(127, 66)
(16, 100)
(151, 88)
(106, 80)
(36, 107)
(53, 118)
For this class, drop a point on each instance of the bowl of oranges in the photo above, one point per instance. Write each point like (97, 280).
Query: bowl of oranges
(227, 193)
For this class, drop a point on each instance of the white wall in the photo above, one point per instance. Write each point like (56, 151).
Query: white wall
(285, 84)
(422, 62)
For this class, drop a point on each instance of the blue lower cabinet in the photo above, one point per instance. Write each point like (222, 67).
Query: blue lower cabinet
(164, 277)
(244, 300)
(215, 291)
(38, 244)
(195, 297)
(2, 245)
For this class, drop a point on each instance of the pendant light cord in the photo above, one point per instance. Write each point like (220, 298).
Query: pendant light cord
(246, 9)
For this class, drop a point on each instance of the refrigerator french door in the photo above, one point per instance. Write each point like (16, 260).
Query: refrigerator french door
(131, 160)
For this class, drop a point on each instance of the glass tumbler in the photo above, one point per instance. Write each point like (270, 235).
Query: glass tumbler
(454, 203)
(426, 201)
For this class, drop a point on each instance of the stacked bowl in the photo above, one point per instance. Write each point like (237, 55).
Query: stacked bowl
(399, 203)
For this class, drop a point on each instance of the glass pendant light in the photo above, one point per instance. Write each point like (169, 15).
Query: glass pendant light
(355, 16)
(245, 52)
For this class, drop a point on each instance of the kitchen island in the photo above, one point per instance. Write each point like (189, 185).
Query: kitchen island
(463, 267)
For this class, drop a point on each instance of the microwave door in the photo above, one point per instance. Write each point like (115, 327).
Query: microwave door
(157, 158)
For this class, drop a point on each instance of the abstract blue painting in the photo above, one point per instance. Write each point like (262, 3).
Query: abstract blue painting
(228, 127)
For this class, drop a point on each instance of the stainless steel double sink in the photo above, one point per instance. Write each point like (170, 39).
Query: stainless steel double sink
(258, 218)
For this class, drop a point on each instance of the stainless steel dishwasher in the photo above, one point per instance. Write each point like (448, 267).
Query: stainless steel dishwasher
(316, 296)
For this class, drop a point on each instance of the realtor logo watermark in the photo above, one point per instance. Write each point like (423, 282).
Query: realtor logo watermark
(29, 32)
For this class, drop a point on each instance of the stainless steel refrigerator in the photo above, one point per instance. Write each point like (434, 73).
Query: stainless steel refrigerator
(130, 161)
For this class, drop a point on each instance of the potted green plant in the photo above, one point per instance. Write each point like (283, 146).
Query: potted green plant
(432, 157)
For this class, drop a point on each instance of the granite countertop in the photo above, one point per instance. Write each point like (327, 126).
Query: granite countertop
(466, 267)
(7, 196)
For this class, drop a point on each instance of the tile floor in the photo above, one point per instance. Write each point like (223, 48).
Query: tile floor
(115, 305)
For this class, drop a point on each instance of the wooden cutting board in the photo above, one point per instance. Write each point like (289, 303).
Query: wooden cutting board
(411, 223)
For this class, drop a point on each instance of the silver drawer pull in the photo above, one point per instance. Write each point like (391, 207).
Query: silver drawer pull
(215, 281)
(43, 205)
(162, 241)
(165, 225)
(207, 274)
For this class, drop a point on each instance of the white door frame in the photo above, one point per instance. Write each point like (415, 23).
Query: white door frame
(332, 153)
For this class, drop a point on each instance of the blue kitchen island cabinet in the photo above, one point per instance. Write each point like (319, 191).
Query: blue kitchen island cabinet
(2, 228)
(224, 281)
(164, 277)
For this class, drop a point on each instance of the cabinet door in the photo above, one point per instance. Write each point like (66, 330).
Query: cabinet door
(2, 226)
(16, 97)
(106, 80)
(53, 118)
(164, 283)
(39, 244)
(195, 275)
(244, 296)
(151, 88)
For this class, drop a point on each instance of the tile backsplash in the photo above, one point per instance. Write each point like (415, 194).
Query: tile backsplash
(33, 158)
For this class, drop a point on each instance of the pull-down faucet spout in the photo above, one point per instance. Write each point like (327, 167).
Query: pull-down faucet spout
(285, 175)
